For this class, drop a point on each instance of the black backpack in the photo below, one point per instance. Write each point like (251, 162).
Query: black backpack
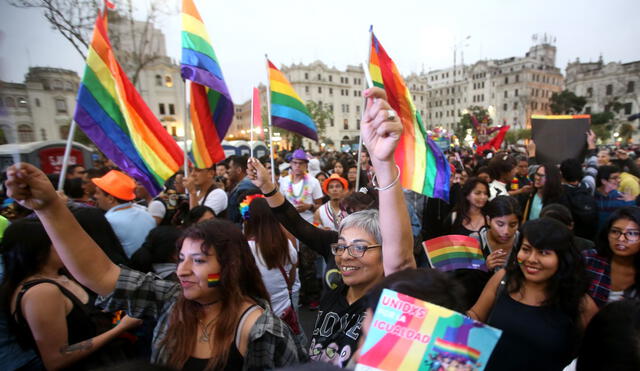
(584, 210)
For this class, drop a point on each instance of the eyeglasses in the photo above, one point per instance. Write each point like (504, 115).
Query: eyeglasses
(356, 250)
(630, 236)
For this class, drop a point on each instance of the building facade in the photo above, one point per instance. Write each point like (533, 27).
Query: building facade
(604, 85)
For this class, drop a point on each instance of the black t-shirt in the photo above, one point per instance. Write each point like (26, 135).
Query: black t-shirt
(338, 327)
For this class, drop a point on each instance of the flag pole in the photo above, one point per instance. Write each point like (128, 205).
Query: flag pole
(367, 75)
(67, 153)
(187, 128)
(272, 152)
(252, 113)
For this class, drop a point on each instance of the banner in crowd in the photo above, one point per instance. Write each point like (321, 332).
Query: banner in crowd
(287, 108)
(423, 167)
(451, 252)
(115, 117)
(410, 334)
(558, 138)
(211, 105)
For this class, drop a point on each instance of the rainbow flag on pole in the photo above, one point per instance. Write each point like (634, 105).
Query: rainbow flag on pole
(287, 109)
(423, 167)
(211, 105)
(256, 113)
(451, 252)
(114, 116)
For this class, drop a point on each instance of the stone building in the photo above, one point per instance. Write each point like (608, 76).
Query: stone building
(603, 85)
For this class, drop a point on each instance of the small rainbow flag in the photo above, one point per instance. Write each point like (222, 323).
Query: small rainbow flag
(456, 350)
(451, 252)
(423, 167)
(211, 105)
(256, 113)
(114, 116)
(287, 109)
(213, 279)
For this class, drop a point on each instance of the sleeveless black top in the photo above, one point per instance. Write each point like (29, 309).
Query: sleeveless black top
(80, 326)
(533, 338)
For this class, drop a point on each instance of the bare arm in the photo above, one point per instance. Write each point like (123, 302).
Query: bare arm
(589, 309)
(381, 136)
(481, 309)
(80, 254)
(44, 309)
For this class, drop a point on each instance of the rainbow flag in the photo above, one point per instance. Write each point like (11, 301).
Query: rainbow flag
(287, 109)
(211, 105)
(213, 279)
(423, 166)
(256, 113)
(451, 252)
(114, 116)
(456, 350)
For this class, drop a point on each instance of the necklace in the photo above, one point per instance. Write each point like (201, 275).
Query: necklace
(302, 195)
(206, 331)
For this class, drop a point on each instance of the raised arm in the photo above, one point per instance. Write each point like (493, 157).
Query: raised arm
(381, 135)
(30, 187)
(317, 239)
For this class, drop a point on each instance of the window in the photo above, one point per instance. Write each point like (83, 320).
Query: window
(330, 78)
(333, 123)
(357, 108)
(10, 102)
(161, 108)
(506, 94)
(330, 90)
(57, 84)
(517, 78)
(168, 81)
(506, 79)
(609, 89)
(68, 86)
(306, 76)
(587, 110)
(306, 89)
(346, 124)
(61, 105)
(627, 108)
(158, 80)
(37, 101)
(631, 86)
(358, 124)
(320, 89)
(515, 105)
(172, 109)
(346, 80)
(504, 107)
(22, 102)
(43, 134)
(319, 77)
(25, 134)
(516, 93)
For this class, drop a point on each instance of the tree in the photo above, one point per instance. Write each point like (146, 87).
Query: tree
(320, 114)
(566, 103)
(74, 20)
(465, 121)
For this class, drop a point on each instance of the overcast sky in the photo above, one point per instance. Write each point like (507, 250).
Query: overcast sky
(417, 34)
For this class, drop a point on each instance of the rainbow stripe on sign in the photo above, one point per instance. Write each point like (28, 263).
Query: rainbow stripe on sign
(456, 350)
(213, 279)
(453, 252)
(287, 108)
(211, 105)
(423, 167)
(114, 116)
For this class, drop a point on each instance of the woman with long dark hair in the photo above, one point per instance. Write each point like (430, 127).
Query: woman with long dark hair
(216, 317)
(275, 255)
(539, 301)
(547, 189)
(49, 312)
(469, 214)
(614, 267)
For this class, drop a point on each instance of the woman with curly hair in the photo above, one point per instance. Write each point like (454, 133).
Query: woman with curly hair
(539, 301)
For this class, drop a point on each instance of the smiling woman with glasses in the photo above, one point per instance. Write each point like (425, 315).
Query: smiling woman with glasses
(614, 267)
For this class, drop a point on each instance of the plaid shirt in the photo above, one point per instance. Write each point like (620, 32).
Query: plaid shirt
(599, 273)
(140, 295)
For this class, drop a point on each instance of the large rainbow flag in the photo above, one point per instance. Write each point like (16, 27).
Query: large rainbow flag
(114, 116)
(211, 105)
(451, 252)
(287, 109)
(423, 166)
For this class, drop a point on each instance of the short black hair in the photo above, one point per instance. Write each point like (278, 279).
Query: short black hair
(239, 160)
(571, 170)
(72, 168)
(604, 173)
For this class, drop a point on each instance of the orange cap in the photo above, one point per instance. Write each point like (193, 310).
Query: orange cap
(117, 184)
(325, 184)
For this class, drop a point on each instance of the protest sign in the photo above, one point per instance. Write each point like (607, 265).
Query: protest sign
(410, 334)
(558, 138)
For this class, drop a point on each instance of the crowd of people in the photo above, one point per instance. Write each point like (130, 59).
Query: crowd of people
(212, 272)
